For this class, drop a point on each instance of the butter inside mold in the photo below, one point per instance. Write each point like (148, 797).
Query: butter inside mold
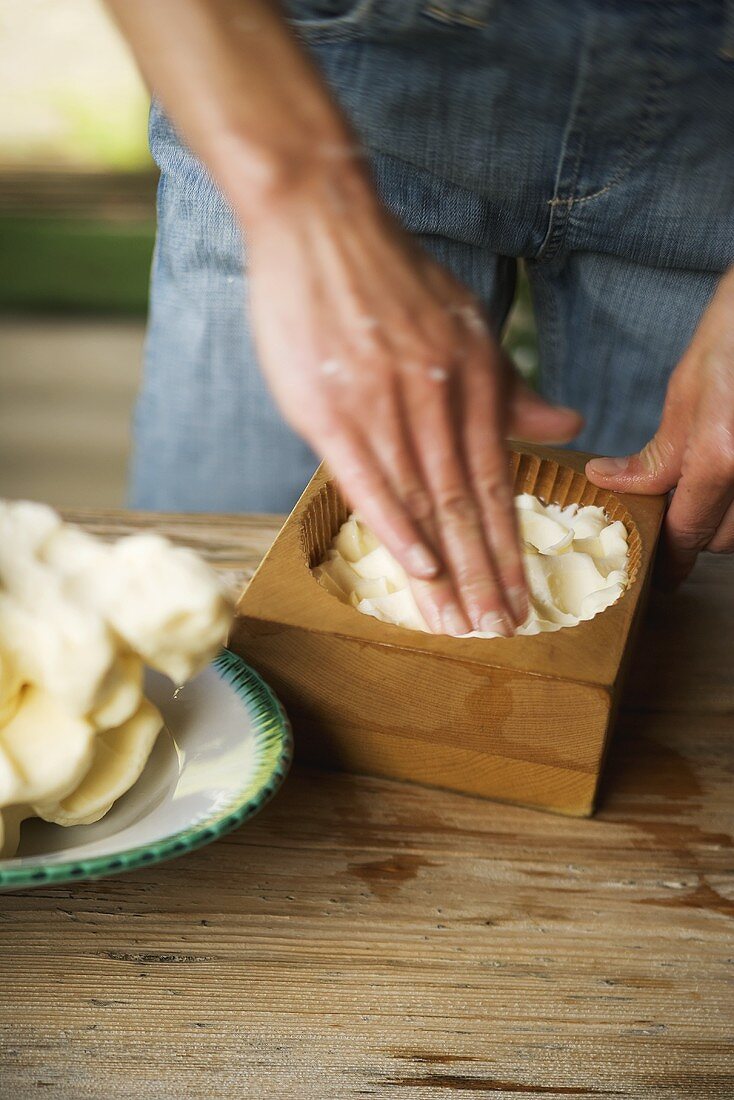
(575, 558)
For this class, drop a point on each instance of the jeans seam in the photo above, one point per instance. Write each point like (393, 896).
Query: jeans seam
(585, 198)
(555, 233)
(649, 112)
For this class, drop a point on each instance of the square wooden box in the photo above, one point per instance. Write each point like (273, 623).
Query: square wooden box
(523, 719)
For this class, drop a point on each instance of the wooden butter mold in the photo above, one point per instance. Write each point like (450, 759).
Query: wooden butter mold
(524, 719)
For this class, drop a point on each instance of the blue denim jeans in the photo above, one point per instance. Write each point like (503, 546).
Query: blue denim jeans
(594, 139)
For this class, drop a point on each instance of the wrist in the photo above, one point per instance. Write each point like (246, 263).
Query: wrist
(327, 171)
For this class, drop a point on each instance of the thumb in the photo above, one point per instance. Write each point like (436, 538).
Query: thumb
(532, 418)
(654, 469)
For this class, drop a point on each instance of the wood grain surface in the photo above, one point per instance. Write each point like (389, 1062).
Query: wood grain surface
(366, 938)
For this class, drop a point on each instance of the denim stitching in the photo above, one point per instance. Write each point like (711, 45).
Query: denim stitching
(584, 198)
(557, 225)
(640, 137)
(651, 106)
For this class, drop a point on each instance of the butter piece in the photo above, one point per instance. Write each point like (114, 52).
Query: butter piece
(79, 618)
(163, 601)
(44, 750)
(575, 559)
(122, 695)
(119, 757)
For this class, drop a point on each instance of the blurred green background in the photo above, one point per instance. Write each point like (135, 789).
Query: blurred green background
(77, 223)
(76, 180)
(77, 220)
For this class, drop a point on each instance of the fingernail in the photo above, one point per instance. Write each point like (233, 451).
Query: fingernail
(453, 621)
(519, 603)
(608, 467)
(491, 623)
(420, 561)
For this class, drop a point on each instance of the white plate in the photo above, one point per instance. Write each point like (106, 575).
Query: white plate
(224, 751)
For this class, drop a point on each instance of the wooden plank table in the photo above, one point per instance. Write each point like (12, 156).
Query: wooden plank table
(368, 938)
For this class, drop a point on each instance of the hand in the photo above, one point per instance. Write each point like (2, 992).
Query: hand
(692, 451)
(374, 353)
(385, 365)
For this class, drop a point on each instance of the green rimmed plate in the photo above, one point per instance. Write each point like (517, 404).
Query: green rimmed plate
(225, 750)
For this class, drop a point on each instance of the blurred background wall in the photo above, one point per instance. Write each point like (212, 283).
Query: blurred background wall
(77, 195)
(77, 216)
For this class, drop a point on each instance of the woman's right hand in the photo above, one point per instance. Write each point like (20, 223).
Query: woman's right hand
(376, 355)
(384, 363)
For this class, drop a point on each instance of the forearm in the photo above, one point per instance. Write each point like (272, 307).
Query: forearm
(244, 96)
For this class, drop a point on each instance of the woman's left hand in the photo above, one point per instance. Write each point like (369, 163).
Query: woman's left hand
(692, 451)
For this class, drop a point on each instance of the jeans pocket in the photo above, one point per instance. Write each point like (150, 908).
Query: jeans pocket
(322, 20)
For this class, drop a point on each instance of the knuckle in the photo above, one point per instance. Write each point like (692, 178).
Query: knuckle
(657, 454)
(493, 490)
(418, 503)
(454, 507)
(426, 367)
(481, 598)
(472, 317)
(481, 589)
(369, 342)
(693, 538)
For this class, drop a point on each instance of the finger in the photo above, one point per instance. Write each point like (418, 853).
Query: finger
(654, 469)
(723, 540)
(657, 467)
(363, 484)
(437, 598)
(359, 474)
(391, 444)
(455, 510)
(441, 606)
(454, 328)
(532, 418)
(489, 471)
(702, 498)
